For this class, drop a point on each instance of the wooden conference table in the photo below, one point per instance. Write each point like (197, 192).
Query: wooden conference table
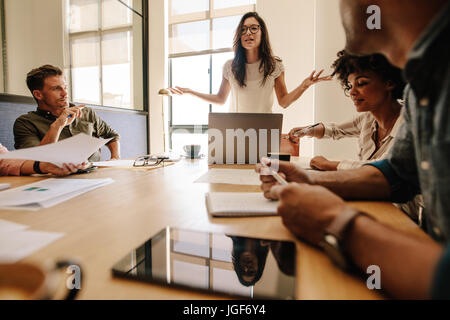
(103, 225)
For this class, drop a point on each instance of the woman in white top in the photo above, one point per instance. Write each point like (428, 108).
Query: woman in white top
(253, 73)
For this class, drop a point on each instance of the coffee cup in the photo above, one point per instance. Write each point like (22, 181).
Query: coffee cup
(192, 150)
(27, 281)
(279, 156)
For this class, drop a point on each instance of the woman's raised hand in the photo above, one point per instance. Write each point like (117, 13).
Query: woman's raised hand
(314, 78)
(179, 91)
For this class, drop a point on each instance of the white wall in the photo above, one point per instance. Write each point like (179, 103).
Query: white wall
(331, 105)
(34, 36)
(291, 30)
(307, 34)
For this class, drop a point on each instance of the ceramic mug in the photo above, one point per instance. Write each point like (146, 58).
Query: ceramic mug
(279, 156)
(192, 150)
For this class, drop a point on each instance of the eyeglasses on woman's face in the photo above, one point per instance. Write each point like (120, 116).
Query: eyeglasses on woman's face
(254, 28)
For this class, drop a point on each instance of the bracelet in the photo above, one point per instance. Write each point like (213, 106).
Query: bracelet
(37, 168)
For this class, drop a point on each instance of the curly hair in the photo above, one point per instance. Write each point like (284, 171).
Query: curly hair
(347, 64)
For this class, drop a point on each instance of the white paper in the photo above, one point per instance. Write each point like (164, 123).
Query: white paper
(4, 186)
(74, 150)
(114, 163)
(7, 226)
(239, 204)
(57, 200)
(231, 176)
(16, 245)
(47, 193)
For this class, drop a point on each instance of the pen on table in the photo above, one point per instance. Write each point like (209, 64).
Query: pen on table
(305, 129)
(276, 175)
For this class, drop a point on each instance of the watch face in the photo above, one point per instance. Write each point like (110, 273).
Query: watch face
(331, 240)
(330, 245)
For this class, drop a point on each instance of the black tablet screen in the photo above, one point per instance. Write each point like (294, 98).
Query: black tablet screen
(217, 263)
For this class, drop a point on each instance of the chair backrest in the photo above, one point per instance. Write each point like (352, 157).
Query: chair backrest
(130, 124)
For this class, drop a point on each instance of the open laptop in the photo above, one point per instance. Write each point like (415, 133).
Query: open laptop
(243, 138)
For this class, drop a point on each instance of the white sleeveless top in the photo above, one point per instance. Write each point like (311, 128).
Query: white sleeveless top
(253, 98)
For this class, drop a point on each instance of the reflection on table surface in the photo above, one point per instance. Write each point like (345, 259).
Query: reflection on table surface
(242, 266)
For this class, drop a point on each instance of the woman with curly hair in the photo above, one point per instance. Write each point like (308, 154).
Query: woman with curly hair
(254, 73)
(375, 86)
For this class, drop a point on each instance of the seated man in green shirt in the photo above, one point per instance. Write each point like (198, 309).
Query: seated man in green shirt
(55, 119)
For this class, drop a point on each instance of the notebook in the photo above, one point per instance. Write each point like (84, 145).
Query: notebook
(232, 204)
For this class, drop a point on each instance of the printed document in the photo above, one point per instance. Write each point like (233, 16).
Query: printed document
(47, 193)
(16, 245)
(76, 150)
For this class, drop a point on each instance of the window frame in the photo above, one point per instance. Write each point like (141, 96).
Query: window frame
(100, 32)
(194, 17)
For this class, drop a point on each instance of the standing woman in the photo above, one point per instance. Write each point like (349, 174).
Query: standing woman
(253, 73)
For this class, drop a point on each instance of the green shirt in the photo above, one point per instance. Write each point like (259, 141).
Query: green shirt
(30, 129)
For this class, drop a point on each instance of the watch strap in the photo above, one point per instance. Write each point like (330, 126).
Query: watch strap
(37, 168)
(342, 222)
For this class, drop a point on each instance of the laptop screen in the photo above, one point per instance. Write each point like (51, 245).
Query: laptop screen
(243, 138)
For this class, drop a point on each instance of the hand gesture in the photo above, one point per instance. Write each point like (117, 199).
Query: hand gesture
(68, 115)
(299, 132)
(314, 78)
(179, 91)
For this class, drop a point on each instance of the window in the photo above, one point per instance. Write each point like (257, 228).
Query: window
(106, 52)
(201, 36)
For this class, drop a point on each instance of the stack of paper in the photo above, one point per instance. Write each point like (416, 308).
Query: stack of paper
(229, 204)
(47, 193)
(16, 242)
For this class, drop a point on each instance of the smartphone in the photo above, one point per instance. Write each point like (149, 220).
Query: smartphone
(223, 264)
(87, 170)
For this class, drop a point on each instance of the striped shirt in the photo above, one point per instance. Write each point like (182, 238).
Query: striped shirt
(364, 127)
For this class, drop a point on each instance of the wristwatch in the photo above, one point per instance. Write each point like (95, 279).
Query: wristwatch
(334, 235)
(37, 167)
